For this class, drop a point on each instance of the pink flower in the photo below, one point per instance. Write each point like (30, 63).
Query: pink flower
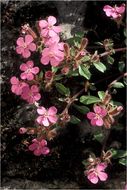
(52, 54)
(17, 85)
(47, 117)
(114, 12)
(31, 94)
(22, 130)
(47, 27)
(25, 46)
(39, 147)
(97, 117)
(97, 173)
(29, 70)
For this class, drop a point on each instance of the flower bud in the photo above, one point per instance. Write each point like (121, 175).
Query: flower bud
(65, 70)
(22, 130)
(48, 75)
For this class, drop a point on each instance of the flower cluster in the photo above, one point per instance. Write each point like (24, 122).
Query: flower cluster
(114, 12)
(53, 52)
(96, 173)
(64, 61)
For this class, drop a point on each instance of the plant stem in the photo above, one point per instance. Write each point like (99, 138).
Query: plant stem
(109, 52)
(72, 99)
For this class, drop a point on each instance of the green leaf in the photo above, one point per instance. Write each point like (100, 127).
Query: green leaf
(123, 161)
(110, 59)
(79, 34)
(118, 153)
(41, 75)
(99, 137)
(62, 89)
(85, 162)
(58, 77)
(101, 94)
(81, 109)
(74, 120)
(118, 85)
(86, 58)
(100, 66)
(54, 69)
(89, 99)
(121, 66)
(83, 71)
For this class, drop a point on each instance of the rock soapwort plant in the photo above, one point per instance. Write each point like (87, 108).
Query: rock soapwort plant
(50, 73)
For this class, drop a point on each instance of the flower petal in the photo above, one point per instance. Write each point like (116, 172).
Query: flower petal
(52, 118)
(51, 20)
(33, 146)
(23, 76)
(37, 152)
(26, 53)
(23, 67)
(30, 76)
(14, 80)
(20, 41)
(19, 50)
(52, 110)
(28, 39)
(91, 115)
(103, 176)
(43, 23)
(41, 110)
(56, 29)
(99, 122)
(93, 178)
(35, 70)
(45, 151)
(32, 46)
(45, 122)
(30, 64)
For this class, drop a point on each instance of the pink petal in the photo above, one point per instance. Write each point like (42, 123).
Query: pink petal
(97, 109)
(23, 76)
(103, 112)
(30, 64)
(52, 119)
(52, 110)
(33, 146)
(45, 60)
(43, 142)
(19, 50)
(26, 53)
(101, 167)
(93, 178)
(20, 41)
(93, 122)
(28, 39)
(45, 122)
(37, 152)
(41, 110)
(91, 115)
(52, 33)
(103, 176)
(45, 151)
(54, 62)
(108, 10)
(23, 67)
(51, 20)
(43, 23)
(14, 80)
(44, 32)
(34, 88)
(39, 119)
(99, 122)
(32, 46)
(56, 29)
(120, 9)
(37, 97)
(30, 76)
(35, 70)
(115, 15)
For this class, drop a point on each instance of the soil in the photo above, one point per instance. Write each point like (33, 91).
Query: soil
(62, 169)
